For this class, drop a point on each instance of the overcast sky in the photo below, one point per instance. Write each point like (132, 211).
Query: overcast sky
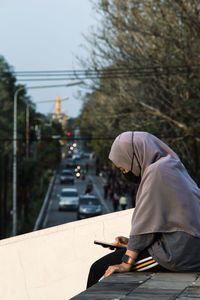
(41, 35)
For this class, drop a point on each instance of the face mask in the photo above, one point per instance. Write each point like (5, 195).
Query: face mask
(131, 177)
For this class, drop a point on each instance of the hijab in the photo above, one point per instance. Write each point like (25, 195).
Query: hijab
(167, 199)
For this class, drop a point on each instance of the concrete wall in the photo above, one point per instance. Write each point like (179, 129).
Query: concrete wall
(53, 263)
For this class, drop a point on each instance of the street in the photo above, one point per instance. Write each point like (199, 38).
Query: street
(54, 216)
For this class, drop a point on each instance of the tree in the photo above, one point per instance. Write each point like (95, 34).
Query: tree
(33, 171)
(154, 45)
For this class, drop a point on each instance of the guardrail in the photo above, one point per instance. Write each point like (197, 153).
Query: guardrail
(42, 214)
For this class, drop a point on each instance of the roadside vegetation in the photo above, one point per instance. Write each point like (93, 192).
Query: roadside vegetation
(147, 54)
(35, 162)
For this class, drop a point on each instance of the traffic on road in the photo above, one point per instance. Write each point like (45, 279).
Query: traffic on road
(77, 192)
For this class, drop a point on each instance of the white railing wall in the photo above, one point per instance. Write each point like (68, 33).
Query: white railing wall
(53, 263)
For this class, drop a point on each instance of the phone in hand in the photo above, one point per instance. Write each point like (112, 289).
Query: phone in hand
(108, 245)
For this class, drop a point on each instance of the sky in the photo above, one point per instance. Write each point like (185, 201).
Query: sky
(42, 35)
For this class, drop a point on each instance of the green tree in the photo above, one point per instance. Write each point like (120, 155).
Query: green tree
(33, 171)
(157, 43)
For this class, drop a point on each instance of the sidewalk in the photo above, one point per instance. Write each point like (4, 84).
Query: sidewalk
(98, 186)
(99, 191)
(98, 183)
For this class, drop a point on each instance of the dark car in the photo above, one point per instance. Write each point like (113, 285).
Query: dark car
(88, 206)
(67, 176)
(71, 163)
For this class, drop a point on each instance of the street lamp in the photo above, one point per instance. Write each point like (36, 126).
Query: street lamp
(14, 211)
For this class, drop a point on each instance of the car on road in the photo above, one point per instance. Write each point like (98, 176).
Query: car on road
(67, 176)
(76, 156)
(88, 206)
(68, 199)
(87, 155)
(71, 163)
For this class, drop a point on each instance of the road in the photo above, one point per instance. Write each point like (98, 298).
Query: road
(54, 216)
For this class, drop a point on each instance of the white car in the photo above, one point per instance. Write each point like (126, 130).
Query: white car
(68, 199)
(76, 156)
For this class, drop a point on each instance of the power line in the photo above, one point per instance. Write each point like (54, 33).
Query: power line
(66, 138)
(111, 69)
(115, 73)
(59, 138)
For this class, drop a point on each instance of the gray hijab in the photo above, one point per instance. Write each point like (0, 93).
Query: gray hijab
(167, 199)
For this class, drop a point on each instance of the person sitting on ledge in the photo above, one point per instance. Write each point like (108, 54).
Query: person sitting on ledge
(165, 226)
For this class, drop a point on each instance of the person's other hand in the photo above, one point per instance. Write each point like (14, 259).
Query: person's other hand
(121, 241)
(117, 269)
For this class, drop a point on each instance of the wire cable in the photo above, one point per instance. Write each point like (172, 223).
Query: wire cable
(115, 73)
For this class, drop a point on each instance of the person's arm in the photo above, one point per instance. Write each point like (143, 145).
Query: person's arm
(141, 242)
(123, 267)
(135, 245)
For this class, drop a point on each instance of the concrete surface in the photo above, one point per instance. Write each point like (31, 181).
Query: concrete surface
(145, 285)
(53, 263)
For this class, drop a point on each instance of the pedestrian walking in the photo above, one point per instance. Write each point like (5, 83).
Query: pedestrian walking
(106, 188)
(115, 201)
(123, 201)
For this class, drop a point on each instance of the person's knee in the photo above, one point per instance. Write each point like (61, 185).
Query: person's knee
(96, 267)
(96, 272)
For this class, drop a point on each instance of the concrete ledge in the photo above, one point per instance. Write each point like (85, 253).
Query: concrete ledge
(145, 285)
(53, 263)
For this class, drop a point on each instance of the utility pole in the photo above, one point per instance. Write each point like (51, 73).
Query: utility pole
(27, 130)
(14, 210)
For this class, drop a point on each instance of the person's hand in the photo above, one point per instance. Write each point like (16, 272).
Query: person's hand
(117, 269)
(121, 241)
